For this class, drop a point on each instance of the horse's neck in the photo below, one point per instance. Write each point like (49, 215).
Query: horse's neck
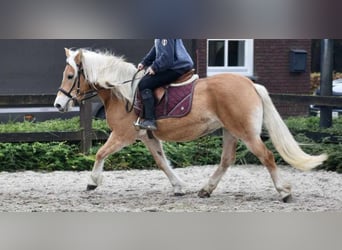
(103, 69)
(126, 90)
(108, 98)
(113, 73)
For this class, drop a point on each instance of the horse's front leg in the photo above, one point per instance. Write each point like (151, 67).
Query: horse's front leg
(112, 145)
(155, 147)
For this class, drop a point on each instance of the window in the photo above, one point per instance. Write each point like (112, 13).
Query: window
(230, 55)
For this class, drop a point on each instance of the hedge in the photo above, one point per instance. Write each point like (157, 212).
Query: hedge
(204, 151)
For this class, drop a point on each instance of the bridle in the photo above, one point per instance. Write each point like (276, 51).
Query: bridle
(94, 91)
(77, 83)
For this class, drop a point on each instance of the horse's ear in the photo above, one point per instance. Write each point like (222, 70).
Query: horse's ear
(78, 57)
(67, 52)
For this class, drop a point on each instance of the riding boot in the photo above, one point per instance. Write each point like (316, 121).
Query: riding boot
(149, 121)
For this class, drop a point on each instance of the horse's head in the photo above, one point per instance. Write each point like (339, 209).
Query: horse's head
(73, 86)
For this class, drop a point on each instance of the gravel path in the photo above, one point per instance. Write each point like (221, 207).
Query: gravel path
(243, 188)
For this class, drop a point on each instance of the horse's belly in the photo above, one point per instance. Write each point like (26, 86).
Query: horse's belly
(180, 131)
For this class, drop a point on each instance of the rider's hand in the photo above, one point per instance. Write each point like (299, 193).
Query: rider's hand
(150, 71)
(141, 66)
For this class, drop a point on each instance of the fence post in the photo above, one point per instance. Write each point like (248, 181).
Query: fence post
(86, 126)
(327, 50)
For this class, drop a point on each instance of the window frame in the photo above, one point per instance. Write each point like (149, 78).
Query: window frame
(246, 70)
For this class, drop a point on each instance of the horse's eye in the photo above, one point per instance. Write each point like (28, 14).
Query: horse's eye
(70, 77)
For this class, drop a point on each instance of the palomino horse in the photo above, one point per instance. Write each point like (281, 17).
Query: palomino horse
(228, 101)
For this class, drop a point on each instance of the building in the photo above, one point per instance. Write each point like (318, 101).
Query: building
(34, 66)
(267, 61)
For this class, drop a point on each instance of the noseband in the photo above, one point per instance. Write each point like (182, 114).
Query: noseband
(77, 84)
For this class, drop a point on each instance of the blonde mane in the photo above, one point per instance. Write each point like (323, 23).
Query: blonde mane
(109, 71)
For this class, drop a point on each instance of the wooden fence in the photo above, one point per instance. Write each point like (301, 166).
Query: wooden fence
(86, 134)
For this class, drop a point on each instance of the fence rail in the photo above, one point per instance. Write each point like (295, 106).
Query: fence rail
(308, 99)
(86, 134)
(47, 100)
(26, 100)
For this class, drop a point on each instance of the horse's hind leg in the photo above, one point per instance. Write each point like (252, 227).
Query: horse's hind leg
(155, 147)
(258, 148)
(227, 158)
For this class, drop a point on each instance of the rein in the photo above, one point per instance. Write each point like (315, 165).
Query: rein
(129, 109)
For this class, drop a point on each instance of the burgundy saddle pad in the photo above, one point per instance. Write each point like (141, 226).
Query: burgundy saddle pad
(175, 102)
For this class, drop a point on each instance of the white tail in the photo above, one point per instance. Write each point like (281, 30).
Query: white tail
(282, 138)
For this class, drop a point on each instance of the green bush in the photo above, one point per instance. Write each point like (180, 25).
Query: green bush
(46, 126)
(42, 157)
(297, 124)
(207, 150)
(72, 124)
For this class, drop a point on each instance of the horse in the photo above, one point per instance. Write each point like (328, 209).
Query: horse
(228, 101)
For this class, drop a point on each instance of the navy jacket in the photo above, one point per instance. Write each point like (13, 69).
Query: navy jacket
(168, 54)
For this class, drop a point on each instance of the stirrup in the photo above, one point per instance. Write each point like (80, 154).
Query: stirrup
(136, 124)
(147, 124)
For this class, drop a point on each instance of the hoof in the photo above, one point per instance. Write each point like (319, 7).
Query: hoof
(91, 187)
(179, 194)
(203, 194)
(287, 198)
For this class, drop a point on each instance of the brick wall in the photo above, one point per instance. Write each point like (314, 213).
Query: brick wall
(201, 57)
(271, 68)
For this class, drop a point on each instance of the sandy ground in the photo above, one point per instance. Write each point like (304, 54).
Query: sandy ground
(243, 188)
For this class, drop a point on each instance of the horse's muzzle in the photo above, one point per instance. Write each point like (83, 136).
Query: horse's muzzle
(59, 107)
(62, 103)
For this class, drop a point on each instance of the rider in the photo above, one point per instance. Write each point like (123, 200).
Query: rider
(165, 62)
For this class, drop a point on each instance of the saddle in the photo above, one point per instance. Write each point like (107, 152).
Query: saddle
(172, 100)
